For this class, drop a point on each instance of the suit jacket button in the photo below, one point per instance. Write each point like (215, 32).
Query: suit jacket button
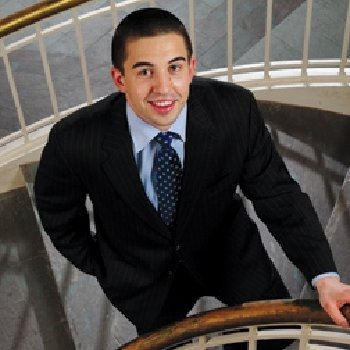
(170, 273)
(178, 247)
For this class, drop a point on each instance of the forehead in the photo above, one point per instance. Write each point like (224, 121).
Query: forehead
(155, 48)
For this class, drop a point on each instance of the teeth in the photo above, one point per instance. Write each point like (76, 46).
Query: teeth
(162, 103)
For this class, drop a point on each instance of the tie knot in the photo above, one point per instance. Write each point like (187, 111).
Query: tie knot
(165, 138)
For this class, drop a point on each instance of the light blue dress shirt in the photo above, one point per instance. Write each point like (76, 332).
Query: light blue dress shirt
(144, 147)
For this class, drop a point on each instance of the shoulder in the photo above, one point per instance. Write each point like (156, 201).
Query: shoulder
(222, 100)
(78, 137)
(89, 117)
(221, 90)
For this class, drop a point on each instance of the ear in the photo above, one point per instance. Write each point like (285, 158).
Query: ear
(192, 66)
(118, 79)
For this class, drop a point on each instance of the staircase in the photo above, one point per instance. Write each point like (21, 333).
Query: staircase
(46, 303)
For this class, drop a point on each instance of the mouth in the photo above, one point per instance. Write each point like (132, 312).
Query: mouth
(162, 106)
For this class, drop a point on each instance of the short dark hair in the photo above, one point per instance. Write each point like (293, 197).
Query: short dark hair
(145, 22)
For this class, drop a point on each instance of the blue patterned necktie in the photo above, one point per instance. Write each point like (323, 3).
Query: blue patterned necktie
(169, 175)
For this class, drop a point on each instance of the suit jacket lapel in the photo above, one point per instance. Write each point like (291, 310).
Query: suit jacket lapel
(120, 167)
(198, 149)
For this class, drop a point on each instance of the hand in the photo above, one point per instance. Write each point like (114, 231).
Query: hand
(333, 294)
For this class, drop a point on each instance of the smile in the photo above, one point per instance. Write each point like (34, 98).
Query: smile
(162, 103)
(163, 106)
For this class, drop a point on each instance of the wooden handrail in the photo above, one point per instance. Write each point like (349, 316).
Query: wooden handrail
(256, 313)
(35, 13)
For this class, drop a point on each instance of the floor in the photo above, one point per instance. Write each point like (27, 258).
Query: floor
(45, 303)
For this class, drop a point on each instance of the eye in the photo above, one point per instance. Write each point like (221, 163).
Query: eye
(144, 72)
(175, 67)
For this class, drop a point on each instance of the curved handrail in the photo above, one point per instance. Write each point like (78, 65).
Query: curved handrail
(34, 13)
(265, 78)
(255, 313)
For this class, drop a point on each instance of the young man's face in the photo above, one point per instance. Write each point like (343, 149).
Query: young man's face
(156, 79)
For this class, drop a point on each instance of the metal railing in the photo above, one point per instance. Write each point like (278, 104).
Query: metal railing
(32, 16)
(35, 13)
(261, 75)
(300, 320)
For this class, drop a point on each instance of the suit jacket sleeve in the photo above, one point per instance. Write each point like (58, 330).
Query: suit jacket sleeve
(60, 198)
(281, 205)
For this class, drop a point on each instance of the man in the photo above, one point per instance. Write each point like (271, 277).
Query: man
(154, 262)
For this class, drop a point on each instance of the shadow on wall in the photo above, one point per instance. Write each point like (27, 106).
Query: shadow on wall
(314, 144)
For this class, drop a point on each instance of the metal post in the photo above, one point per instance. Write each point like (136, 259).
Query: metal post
(114, 14)
(229, 40)
(268, 30)
(47, 70)
(307, 38)
(192, 28)
(82, 56)
(346, 38)
(14, 91)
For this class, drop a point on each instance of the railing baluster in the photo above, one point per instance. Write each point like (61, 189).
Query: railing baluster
(268, 30)
(230, 40)
(346, 38)
(202, 342)
(14, 91)
(304, 337)
(47, 71)
(191, 19)
(114, 14)
(307, 38)
(253, 335)
(82, 56)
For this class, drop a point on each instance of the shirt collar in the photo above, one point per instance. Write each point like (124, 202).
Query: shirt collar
(142, 133)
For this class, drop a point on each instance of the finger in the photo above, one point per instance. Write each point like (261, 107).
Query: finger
(337, 316)
(345, 311)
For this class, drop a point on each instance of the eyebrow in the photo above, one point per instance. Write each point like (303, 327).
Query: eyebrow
(149, 64)
(179, 58)
(142, 64)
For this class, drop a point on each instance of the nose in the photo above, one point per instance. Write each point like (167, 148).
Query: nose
(162, 82)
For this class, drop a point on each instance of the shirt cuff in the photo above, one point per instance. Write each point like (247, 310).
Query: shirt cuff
(323, 275)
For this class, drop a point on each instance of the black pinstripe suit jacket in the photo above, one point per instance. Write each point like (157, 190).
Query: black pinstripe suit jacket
(227, 144)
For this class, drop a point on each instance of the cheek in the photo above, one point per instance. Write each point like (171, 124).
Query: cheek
(136, 94)
(182, 80)
(182, 86)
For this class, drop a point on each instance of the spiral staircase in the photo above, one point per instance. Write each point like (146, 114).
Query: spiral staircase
(54, 58)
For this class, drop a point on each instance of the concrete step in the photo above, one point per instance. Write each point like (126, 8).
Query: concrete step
(31, 309)
(94, 323)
